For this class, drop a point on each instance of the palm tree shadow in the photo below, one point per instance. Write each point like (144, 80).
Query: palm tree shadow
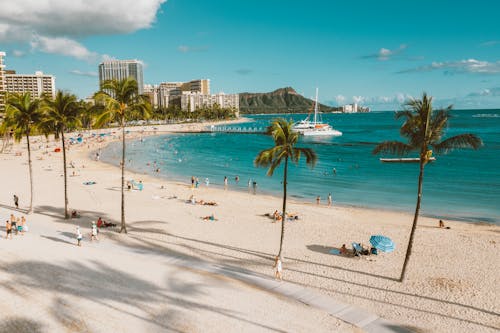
(20, 325)
(55, 239)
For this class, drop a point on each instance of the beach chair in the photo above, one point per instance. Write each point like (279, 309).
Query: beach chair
(357, 249)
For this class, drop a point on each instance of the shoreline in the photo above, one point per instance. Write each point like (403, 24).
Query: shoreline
(177, 179)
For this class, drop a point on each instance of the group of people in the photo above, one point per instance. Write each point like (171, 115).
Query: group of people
(94, 230)
(15, 225)
(329, 199)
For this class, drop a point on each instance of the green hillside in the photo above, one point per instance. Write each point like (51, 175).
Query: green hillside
(283, 100)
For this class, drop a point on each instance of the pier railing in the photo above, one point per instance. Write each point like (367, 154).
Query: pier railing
(234, 129)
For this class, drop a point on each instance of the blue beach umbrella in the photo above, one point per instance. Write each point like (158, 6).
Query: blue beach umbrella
(382, 243)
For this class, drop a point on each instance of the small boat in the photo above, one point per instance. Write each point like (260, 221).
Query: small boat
(316, 127)
(404, 160)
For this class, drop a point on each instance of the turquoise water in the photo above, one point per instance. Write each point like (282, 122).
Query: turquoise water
(463, 184)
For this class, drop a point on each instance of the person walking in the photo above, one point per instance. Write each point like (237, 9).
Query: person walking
(278, 266)
(318, 200)
(93, 235)
(329, 199)
(79, 236)
(225, 182)
(16, 201)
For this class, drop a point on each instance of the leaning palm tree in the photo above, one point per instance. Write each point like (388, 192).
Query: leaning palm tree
(22, 116)
(62, 113)
(284, 149)
(423, 129)
(120, 100)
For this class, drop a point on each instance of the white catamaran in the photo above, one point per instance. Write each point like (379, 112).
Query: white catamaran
(316, 127)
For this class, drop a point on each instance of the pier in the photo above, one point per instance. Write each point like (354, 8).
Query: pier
(234, 129)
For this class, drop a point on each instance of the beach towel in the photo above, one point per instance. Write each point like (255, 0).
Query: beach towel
(335, 251)
(89, 183)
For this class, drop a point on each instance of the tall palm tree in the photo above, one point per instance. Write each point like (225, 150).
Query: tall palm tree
(423, 129)
(62, 113)
(22, 116)
(121, 100)
(284, 149)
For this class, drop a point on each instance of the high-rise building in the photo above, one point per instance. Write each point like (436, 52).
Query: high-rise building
(2, 83)
(122, 69)
(36, 84)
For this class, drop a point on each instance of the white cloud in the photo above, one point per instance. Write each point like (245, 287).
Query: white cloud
(385, 54)
(18, 53)
(186, 49)
(81, 73)
(358, 99)
(61, 22)
(340, 99)
(462, 66)
(63, 46)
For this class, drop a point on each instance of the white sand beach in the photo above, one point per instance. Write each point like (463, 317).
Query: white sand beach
(53, 285)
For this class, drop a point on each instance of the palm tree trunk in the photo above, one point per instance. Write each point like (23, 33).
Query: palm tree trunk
(284, 209)
(66, 215)
(415, 218)
(30, 210)
(123, 227)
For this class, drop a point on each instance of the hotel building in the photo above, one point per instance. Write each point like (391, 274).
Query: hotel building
(2, 83)
(122, 69)
(36, 84)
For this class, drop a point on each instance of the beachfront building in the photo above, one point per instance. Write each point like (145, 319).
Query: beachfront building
(2, 83)
(36, 84)
(354, 108)
(122, 69)
(164, 94)
(192, 101)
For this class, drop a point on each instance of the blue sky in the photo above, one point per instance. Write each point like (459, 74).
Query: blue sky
(374, 52)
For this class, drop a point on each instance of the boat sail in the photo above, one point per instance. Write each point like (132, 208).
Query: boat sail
(316, 127)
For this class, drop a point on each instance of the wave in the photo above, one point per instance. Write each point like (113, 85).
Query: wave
(486, 115)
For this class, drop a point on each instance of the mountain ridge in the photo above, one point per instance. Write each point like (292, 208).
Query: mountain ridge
(281, 100)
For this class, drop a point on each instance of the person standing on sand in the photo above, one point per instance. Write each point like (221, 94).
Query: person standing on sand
(225, 182)
(278, 266)
(254, 184)
(8, 230)
(78, 236)
(192, 181)
(329, 199)
(318, 200)
(16, 201)
(93, 235)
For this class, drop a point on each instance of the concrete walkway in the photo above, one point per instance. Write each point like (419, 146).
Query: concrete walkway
(358, 317)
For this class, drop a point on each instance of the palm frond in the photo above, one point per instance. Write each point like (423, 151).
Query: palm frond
(393, 147)
(458, 141)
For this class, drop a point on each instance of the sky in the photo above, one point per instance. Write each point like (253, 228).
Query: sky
(375, 53)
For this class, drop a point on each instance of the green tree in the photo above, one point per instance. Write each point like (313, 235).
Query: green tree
(22, 116)
(423, 129)
(61, 114)
(284, 150)
(120, 101)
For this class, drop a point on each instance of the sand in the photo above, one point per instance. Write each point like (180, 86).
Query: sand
(451, 285)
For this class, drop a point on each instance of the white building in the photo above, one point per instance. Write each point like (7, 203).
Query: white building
(36, 84)
(350, 108)
(2, 83)
(120, 70)
(193, 101)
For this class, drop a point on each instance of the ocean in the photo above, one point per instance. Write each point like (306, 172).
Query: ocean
(463, 184)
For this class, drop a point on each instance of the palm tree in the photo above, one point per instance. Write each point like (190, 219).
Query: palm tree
(423, 129)
(22, 116)
(121, 100)
(284, 150)
(62, 113)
